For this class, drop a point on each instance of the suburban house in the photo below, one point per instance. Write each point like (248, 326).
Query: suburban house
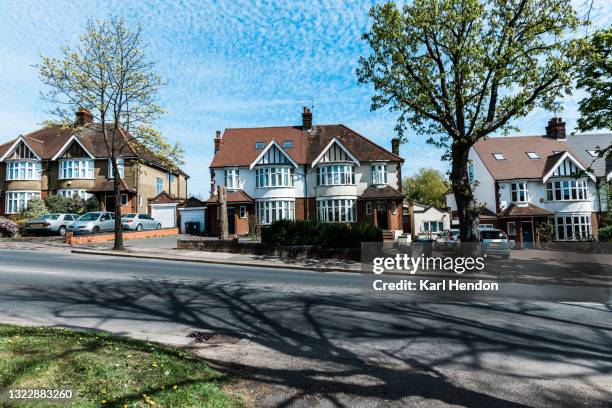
(75, 160)
(525, 181)
(328, 173)
(420, 219)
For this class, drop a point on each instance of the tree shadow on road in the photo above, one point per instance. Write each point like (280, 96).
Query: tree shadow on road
(404, 354)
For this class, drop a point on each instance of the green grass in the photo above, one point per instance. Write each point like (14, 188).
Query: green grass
(104, 371)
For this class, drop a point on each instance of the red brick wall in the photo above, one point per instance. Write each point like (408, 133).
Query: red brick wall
(305, 206)
(88, 239)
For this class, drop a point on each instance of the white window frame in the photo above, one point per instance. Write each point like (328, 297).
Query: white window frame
(140, 201)
(23, 170)
(274, 176)
(427, 226)
(337, 209)
(572, 225)
(70, 192)
(470, 169)
(15, 202)
(232, 179)
(499, 156)
(533, 155)
(368, 208)
(485, 226)
(242, 211)
(120, 166)
(522, 192)
(71, 169)
(269, 211)
(124, 199)
(576, 189)
(159, 182)
(336, 175)
(511, 231)
(379, 174)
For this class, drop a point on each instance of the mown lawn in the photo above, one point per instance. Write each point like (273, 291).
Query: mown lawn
(104, 371)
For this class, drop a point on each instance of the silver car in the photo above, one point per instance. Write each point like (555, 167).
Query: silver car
(93, 223)
(138, 222)
(56, 223)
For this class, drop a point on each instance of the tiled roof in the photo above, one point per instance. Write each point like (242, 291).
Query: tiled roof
(107, 186)
(238, 145)
(381, 192)
(237, 196)
(528, 210)
(582, 143)
(516, 163)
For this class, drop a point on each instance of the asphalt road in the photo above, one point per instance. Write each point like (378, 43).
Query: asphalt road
(322, 340)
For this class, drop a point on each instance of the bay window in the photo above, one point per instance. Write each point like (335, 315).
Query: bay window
(379, 174)
(336, 210)
(274, 177)
(272, 210)
(338, 174)
(71, 192)
(232, 178)
(565, 190)
(573, 227)
(519, 192)
(76, 169)
(16, 201)
(23, 170)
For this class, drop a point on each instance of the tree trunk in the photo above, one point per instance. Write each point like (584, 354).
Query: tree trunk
(467, 210)
(223, 227)
(117, 193)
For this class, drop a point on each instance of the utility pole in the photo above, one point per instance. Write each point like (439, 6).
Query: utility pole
(223, 227)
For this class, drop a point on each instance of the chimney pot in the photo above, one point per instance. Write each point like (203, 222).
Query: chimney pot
(395, 145)
(306, 119)
(83, 117)
(555, 129)
(217, 141)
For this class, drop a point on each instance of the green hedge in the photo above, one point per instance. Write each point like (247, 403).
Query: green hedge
(305, 232)
(605, 234)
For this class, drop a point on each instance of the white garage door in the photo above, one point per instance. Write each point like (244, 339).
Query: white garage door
(192, 215)
(165, 214)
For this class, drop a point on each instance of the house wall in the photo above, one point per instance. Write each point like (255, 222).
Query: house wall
(432, 214)
(147, 184)
(484, 191)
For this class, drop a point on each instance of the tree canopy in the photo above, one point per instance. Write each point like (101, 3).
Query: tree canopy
(427, 187)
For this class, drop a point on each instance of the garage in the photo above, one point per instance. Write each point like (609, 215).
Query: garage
(165, 214)
(192, 215)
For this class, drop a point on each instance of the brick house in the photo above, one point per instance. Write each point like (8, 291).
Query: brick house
(74, 160)
(328, 173)
(525, 181)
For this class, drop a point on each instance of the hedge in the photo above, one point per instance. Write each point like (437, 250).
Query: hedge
(306, 232)
(605, 234)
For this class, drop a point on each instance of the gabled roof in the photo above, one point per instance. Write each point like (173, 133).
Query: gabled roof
(385, 191)
(271, 145)
(516, 163)
(555, 161)
(331, 143)
(11, 146)
(582, 143)
(238, 149)
(107, 185)
(527, 210)
(72, 139)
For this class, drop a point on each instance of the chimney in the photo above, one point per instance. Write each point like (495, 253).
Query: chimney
(395, 143)
(306, 119)
(217, 141)
(83, 117)
(555, 129)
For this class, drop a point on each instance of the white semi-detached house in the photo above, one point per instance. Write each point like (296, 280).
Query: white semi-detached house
(524, 181)
(328, 173)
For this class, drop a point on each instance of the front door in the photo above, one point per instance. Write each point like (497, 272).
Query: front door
(231, 220)
(527, 228)
(109, 203)
(381, 215)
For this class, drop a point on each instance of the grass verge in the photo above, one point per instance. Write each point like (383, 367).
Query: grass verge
(104, 370)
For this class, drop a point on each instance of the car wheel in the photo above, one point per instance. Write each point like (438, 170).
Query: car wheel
(62, 231)
(139, 227)
(158, 226)
(96, 230)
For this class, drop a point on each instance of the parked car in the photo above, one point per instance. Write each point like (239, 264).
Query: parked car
(138, 222)
(493, 242)
(93, 223)
(448, 239)
(56, 223)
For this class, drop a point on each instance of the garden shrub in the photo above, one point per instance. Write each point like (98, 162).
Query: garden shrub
(56, 203)
(8, 228)
(92, 204)
(35, 209)
(333, 235)
(76, 205)
(605, 234)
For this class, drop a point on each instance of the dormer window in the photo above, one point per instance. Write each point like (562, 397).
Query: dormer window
(533, 155)
(499, 156)
(260, 145)
(288, 144)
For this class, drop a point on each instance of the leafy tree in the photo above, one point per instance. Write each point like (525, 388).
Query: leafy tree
(76, 204)
(107, 74)
(459, 70)
(35, 209)
(595, 77)
(92, 204)
(427, 187)
(56, 203)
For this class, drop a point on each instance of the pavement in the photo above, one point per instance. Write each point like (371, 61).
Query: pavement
(308, 339)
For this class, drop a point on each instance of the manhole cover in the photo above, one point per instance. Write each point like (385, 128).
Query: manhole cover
(201, 336)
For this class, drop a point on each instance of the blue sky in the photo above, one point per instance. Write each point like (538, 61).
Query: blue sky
(228, 64)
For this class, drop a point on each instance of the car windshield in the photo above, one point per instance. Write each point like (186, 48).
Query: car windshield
(89, 216)
(50, 217)
(454, 232)
(129, 215)
(492, 235)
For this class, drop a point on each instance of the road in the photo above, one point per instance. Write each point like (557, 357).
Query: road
(302, 338)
